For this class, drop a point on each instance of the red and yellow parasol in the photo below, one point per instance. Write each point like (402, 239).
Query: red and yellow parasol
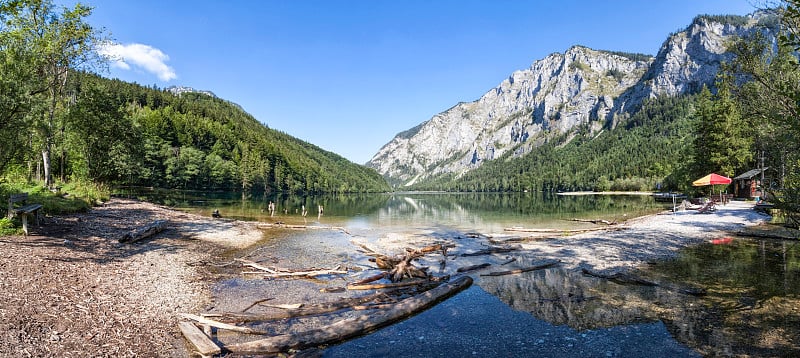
(712, 179)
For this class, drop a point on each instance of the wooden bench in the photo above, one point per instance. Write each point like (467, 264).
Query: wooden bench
(24, 210)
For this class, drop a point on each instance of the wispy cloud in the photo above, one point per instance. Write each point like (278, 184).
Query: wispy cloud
(141, 56)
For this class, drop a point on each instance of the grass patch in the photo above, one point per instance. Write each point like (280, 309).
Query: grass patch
(73, 197)
(9, 227)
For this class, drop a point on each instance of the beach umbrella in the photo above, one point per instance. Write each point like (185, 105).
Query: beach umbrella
(712, 179)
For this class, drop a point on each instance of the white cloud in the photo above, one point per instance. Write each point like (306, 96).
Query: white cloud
(142, 56)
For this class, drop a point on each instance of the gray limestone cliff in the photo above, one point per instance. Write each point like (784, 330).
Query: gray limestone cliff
(581, 89)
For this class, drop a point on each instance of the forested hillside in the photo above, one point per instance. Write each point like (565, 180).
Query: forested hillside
(636, 155)
(59, 120)
(126, 134)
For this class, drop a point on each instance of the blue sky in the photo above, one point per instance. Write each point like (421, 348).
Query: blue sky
(349, 75)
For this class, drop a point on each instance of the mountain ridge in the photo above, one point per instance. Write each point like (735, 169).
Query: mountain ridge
(580, 89)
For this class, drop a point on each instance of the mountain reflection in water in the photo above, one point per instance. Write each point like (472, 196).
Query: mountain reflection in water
(752, 306)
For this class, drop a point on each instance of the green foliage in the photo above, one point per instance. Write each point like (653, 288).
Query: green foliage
(722, 143)
(578, 65)
(616, 73)
(125, 134)
(734, 20)
(8, 227)
(769, 99)
(51, 44)
(631, 56)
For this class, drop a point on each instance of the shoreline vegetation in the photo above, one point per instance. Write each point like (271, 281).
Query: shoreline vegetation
(92, 294)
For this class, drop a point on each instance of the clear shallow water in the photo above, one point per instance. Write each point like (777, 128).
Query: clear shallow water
(752, 307)
(469, 211)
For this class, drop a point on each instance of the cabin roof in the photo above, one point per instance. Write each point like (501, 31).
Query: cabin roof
(750, 174)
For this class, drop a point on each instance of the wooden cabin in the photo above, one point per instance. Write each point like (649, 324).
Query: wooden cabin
(748, 184)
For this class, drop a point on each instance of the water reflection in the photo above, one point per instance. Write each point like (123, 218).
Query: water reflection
(569, 298)
(752, 306)
(473, 211)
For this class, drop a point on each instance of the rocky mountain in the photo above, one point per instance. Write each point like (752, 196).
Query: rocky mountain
(581, 89)
(179, 90)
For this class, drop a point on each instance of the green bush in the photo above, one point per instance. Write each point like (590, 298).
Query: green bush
(7, 227)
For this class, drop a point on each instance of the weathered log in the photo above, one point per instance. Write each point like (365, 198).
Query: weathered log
(308, 310)
(628, 279)
(332, 289)
(572, 231)
(314, 273)
(375, 286)
(540, 266)
(477, 235)
(353, 327)
(473, 267)
(201, 342)
(427, 249)
(595, 221)
(255, 265)
(489, 251)
(286, 306)
(620, 278)
(771, 234)
(221, 325)
(144, 232)
(257, 302)
(282, 225)
(372, 278)
(509, 261)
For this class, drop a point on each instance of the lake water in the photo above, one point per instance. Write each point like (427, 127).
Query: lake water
(472, 211)
(752, 306)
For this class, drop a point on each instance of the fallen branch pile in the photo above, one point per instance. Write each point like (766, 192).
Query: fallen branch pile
(388, 311)
(353, 327)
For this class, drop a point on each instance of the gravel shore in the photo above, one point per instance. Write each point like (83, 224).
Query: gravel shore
(70, 289)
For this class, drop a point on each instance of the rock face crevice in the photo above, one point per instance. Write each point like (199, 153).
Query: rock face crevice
(580, 88)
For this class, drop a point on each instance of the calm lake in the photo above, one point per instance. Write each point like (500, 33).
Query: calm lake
(752, 307)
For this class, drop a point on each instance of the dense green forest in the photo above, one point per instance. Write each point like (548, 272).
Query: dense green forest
(59, 121)
(195, 141)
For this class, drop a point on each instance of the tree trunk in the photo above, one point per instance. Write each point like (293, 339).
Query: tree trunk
(144, 232)
(46, 163)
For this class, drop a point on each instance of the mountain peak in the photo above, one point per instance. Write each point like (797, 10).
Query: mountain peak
(179, 90)
(581, 88)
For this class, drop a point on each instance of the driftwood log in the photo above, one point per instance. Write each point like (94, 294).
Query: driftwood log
(489, 251)
(771, 234)
(376, 286)
(201, 342)
(628, 279)
(473, 267)
(540, 266)
(306, 310)
(281, 225)
(595, 221)
(213, 323)
(144, 232)
(558, 231)
(354, 327)
(620, 278)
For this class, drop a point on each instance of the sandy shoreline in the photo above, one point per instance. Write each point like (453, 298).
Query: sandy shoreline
(71, 289)
(650, 237)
